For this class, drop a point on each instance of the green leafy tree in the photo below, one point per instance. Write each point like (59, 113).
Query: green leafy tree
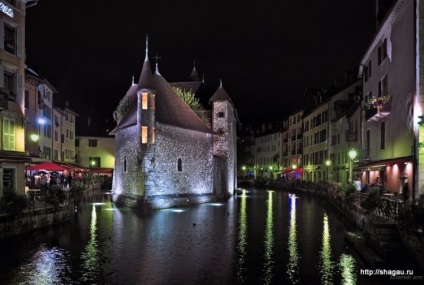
(189, 98)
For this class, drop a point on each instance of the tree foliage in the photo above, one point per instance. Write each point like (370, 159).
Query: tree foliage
(189, 98)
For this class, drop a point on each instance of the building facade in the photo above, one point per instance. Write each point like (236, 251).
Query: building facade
(38, 103)
(391, 103)
(12, 116)
(95, 152)
(269, 153)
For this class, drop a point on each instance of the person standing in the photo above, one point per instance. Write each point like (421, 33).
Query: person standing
(357, 184)
(69, 179)
(43, 182)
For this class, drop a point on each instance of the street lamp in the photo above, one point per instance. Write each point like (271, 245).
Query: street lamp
(35, 134)
(328, 163)
(352, 155)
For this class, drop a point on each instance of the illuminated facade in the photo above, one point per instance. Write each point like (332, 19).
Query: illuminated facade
(165, 155)
(12, 112)
(325, 135)
(95, 152)
(392, 101)
(38, 103)
(269, 153)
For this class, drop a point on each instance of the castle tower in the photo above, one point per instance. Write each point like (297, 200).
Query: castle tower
(146, 104)
(224, 120)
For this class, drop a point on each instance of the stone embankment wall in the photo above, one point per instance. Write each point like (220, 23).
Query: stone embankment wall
(32, 220)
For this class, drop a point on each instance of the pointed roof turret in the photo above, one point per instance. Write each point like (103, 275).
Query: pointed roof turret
(156, 58)
(193, 75)
(146, 78)
(220, 95)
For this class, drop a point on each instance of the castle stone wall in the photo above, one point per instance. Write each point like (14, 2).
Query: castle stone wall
(162, 176)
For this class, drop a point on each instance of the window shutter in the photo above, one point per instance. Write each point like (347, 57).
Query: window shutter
(19, 42)
(1, 34)
(12, 135)
(5, 134)
(1, 76)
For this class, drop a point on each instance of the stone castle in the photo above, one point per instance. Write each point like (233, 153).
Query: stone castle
(167, 155)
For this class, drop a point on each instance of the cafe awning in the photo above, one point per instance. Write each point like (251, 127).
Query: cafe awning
(385, 162)
(48, 166)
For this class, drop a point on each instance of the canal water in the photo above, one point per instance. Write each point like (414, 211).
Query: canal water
(258, 237)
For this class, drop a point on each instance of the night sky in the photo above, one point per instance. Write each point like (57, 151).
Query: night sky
(266, 52)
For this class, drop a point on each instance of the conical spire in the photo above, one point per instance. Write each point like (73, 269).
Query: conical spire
(146, 78)
(193, 75)
(147, 48)
(220, 94)
(157, 57)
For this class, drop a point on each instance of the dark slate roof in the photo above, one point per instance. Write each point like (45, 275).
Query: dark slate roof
(146, 77)
(220, 95)
(170, 108)
(189, 85)
(129, 119)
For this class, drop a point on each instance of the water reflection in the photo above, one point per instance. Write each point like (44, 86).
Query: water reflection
(242, 240)
(327, 265)
(47, 266)
(269, 241)
(293, 265)
(347, 266)
(90, 254)
(252, 245)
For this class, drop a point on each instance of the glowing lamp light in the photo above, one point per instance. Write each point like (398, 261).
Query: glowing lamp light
(34, 137)
(92, 163)
(294, 166)
(352, 154)
(244, 167)
(328, 162)
(41, 121)
(270, 168)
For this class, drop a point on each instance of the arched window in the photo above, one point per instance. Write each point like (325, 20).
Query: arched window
(125, 164)
(179, 165)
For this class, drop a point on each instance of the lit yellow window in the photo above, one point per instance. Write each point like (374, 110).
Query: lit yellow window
(143, 134)
(144, 101)
(153, 135)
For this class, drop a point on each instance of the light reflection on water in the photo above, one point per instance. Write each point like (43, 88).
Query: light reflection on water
(46, 266)
(327, 265)
(242, 240)
(293, 264)
(90, 255)
(347, 266)
(269, 242)
(260, 238)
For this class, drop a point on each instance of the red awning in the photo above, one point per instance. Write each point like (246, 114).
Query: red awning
(298, 170)
(49, 166)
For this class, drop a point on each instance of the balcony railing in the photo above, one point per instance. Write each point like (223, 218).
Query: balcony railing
(378, 112)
